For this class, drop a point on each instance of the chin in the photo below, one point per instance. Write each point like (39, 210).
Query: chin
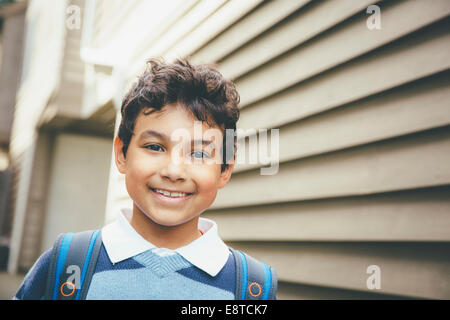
(162, 220)
(169, 223)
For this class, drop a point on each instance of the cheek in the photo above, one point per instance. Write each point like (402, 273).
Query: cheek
(207, 195)
(207, 182)
(137, 171)
(210, 193)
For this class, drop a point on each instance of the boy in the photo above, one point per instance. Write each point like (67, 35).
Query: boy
(162, 249)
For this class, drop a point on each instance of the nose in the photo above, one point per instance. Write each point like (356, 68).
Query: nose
(173, 171)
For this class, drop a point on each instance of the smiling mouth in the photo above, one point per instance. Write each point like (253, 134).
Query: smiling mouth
(171, 194)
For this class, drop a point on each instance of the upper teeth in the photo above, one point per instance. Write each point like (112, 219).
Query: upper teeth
(171, 194)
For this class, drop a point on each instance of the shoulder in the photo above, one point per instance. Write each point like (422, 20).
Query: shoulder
(242, 257)
(259, 278)
(33, 285)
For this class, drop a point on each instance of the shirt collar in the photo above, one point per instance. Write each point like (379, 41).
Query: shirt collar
(208, 253)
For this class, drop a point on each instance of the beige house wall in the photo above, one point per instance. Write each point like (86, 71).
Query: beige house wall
(364, 148)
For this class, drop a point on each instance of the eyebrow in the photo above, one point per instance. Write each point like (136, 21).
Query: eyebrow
(152, 133)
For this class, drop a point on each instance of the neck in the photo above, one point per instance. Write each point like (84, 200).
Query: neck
(171, 237)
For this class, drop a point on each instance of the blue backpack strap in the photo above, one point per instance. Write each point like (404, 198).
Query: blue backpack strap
(239, 292)
(86, 277)
(254, 279)
(52, 267)
(73, 262)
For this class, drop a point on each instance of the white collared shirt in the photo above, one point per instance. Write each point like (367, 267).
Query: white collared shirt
(208, 253)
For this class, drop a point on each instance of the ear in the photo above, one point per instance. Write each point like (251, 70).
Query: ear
(226, 174)
(119, 157)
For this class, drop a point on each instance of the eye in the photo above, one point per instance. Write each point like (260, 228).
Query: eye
(154, 147)
(200, 154)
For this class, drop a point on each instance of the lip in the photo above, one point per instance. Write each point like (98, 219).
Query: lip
(167, 199)
(170, 190)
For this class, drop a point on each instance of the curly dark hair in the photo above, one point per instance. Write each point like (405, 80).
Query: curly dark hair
(201, 89)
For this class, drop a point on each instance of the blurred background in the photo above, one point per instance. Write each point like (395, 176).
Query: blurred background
(360, 94)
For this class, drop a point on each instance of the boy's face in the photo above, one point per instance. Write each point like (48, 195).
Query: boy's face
(152, 165)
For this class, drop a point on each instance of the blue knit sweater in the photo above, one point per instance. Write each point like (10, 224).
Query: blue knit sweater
(144, 276)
